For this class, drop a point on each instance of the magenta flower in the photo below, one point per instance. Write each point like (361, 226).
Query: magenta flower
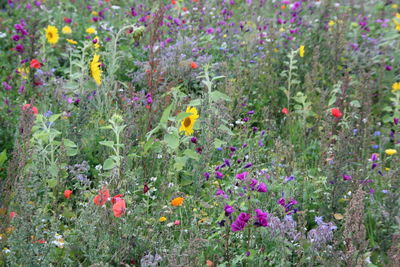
(228, 210)
(219, 175)
(240, 222)
(262, 188)
(242, 176)
(261, 218)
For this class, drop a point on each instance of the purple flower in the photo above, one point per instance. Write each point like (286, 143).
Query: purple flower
(16, 37)
(19, 48)
(281, 201)
(396, 121)
(253, 183)
(228, 210)
(262, 218)
(289, 178)
(240, 222)
(221, 192)
(193, 140)
(206, 175)
(248, 165)
(245, 119)
(318, 220)
(242, 176)
(232, 148)
(199, 150)
(346, 177)
(219, 175)
(388, 68)
(262, 188)
(210, 30)
(251, 112)
(6, 86)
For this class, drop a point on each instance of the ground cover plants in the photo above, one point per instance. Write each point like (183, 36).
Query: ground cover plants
(199, 133)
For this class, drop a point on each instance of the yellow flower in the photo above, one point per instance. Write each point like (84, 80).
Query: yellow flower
(390, 152)
(162, 219)
(94, 13)
(331, 23)
(188, 122)
(398, 15)
(396, 87)
(90, 30)
(301, 51)
(282, 29)
(95, 69)
(177, 201)
(24, 72)
(51, 34)
(72, 41)
(395, 6)
(66, 30)
(97, 44)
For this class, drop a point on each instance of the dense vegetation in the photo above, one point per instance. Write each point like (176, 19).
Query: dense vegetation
(199, 133)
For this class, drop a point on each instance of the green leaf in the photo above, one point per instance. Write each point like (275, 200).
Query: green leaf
(52, 182)
(217, 95)
(332, 100)
(53, 170)
(71, 151)
(191, 154)
(54, 117)
(107, 143)
(3, 157)
(165, 116)
(172, 141)
(225, 129)
(219, 143)
(180, 163)
(69, 143)
(109, 164)
(195, 102)
(355, 103)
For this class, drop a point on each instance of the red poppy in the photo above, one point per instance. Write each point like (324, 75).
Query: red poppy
(102, 197)
(67, 193)
(184, 9)
(115, 199)
(173, 2)
(285, 111)
(119, 208)
(35, 64)
(336, 113)
(194, 65)
(33, 110)
(12, 214)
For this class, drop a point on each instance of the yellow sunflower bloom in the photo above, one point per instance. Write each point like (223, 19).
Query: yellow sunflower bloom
(51, 34)
(66, 30)
(90, 30)
(301, 51)
(396, 87)
(72, 41)
(188, 122)
(95, 69)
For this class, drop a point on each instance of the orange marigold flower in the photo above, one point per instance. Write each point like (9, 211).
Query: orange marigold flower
(177, 201)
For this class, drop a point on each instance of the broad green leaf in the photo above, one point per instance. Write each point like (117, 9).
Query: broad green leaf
(172, 141)
(52, 183)
(71, 152)
(69, 143)
(355, 103)
(219, 143)
(3, 157)
(165, 116)
(54, 117)
(225, 129)
(217, 95)
(182, 115)
(107, 143)
(191, 154)
(109, 164)
(195, 102)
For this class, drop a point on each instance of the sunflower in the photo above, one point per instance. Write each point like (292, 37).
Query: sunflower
(188, 122)
(95, 69)
(51, 34)
(90, 30)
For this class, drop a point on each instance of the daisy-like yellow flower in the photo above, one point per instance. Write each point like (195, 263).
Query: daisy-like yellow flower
(95, 70)
(51, 34)
(72, 41)
(188, 122)
(396, 87)
(177, 201)
(162, 219)
(95, 13)
(301, 51)
(395, 6)
(24, 72)
(97, 43)
(66, 30)
(331, 23)
(90, 30)
(390, 152)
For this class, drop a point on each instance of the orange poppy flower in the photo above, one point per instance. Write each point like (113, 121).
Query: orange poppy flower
(194, 65)
(177, 201)
(119, 208)
(114, 199)
(35, 64)
(102, 197)
(67, 193)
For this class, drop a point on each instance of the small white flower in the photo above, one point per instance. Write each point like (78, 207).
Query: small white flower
(6, 250)
(3, 35)
(170, 185)
(115, 7)
(159, 156)
(153, 179)
(98, 167)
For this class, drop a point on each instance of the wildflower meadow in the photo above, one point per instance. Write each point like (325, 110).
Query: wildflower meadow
(200, 133)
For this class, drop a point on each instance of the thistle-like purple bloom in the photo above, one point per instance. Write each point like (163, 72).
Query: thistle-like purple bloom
(219, 175)
(346, 177)
(240, 222)
(261, 218)
(248, 165)
(262, 188)
(206, 175)
(221, 192)
(242, 176)
(228, 210)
